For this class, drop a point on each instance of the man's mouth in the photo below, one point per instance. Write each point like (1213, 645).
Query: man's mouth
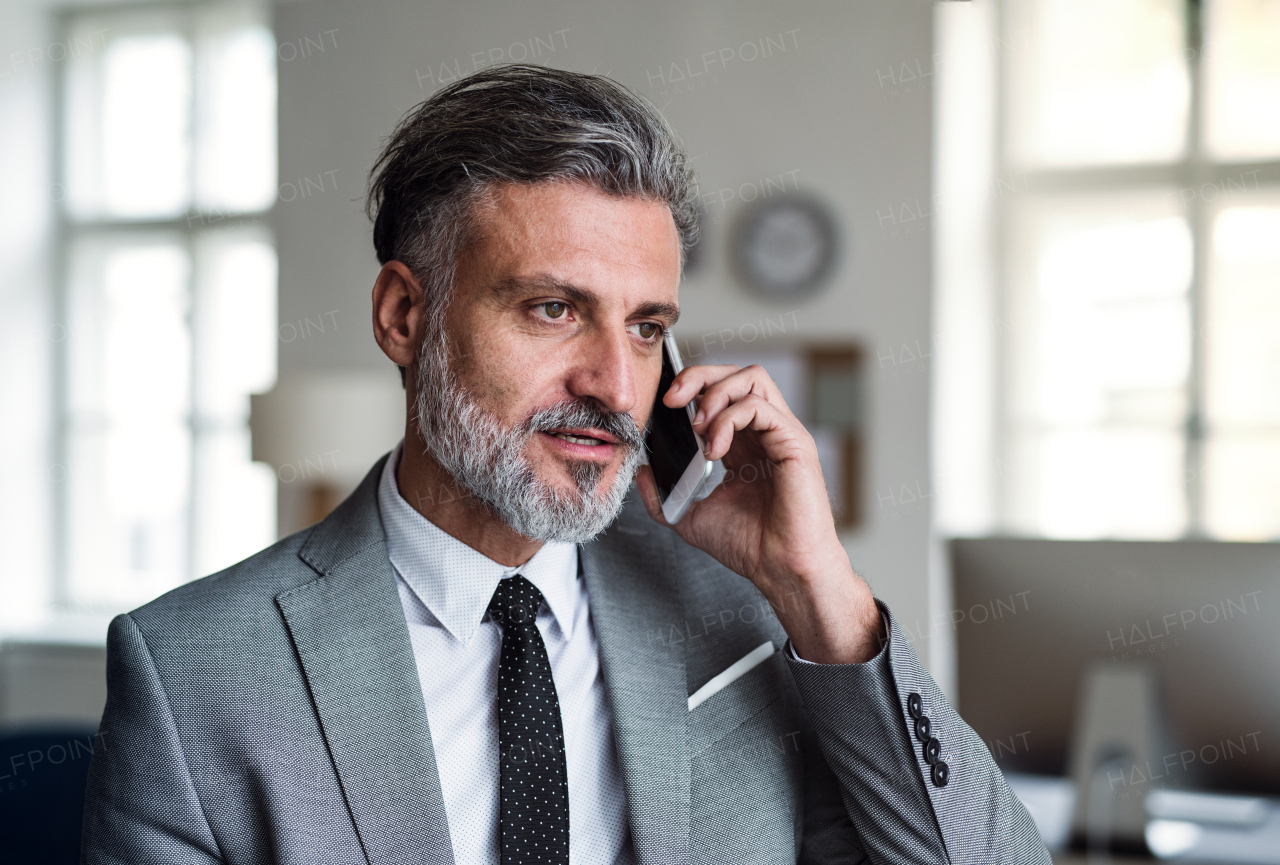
(584, 436)
(579, 440)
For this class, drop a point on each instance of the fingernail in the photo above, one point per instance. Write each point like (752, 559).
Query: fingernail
(697, 418)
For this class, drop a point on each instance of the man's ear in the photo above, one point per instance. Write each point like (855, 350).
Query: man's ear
(399, 313)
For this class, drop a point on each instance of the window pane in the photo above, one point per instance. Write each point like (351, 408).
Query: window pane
(146, 104)
(128, 118)
(1111, 482)
(1095, 81)
(237, 335)
(1242, 369)
(127, 515)
(1242, 76)
(1115, 320)
(1242, 486)
(1099, 327)
(1243, 356)
(235, 501)
(129, 440)
(236, 126)
(1110, 321)
(234, 498)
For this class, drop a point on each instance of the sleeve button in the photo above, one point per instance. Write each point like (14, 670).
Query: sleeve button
(915, 708)
(923, 728)
(932, 751)
(940, 773)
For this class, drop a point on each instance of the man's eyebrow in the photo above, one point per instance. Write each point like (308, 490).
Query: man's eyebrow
(655, 309)
(669, 312)
(523, 285)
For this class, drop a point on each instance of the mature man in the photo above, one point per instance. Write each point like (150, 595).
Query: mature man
(489, 653)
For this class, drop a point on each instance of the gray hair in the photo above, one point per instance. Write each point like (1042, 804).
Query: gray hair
(514, 124)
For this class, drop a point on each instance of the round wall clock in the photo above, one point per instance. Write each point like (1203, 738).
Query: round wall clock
(784, 248)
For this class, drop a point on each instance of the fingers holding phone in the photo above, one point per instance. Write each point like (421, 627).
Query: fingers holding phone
(688, 432)
(773, 525)
(773, 503)
(731, 399)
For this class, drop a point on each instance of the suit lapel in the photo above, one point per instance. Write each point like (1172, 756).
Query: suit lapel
(635, 600)
(349, 630)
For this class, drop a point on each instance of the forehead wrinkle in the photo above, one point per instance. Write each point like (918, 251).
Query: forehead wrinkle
(614, 236)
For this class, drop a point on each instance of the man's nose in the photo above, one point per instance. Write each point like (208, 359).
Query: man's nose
(604, 371)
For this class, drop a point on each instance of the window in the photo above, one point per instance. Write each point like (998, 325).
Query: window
(169, 299)
(1135, 197)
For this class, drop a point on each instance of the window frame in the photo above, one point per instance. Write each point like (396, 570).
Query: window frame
(1194, 170)
(189, 227)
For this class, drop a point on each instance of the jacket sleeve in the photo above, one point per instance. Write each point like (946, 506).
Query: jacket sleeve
(140, 804)
(903, 808)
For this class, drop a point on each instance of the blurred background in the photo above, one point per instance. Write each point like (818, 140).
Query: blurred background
(1015, 262)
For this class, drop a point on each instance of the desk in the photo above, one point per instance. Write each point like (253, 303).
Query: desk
(1240, 830)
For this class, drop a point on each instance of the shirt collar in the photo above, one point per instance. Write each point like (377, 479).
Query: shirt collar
(456, 582)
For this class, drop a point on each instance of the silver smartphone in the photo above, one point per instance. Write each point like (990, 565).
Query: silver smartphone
(676, 456)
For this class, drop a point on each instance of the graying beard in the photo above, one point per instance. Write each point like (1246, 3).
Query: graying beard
(488, 461)
(586, 475)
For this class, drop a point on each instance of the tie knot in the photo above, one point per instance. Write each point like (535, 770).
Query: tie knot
(516, 602)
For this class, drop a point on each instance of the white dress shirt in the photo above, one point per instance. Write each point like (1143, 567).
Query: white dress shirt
(445, 588)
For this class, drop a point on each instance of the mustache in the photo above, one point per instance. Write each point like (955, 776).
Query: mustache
(586, 413)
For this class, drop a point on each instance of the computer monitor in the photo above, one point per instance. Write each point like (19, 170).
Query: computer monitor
(1032, 615)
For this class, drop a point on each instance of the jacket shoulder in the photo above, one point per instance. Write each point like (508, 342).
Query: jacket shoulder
(242, 597)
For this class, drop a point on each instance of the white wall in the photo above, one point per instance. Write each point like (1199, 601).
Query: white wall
(844, 112)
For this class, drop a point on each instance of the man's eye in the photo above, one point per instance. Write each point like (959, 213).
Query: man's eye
(648, 330)
(555, 309)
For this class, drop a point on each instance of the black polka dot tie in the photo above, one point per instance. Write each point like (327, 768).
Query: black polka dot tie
(534, 814)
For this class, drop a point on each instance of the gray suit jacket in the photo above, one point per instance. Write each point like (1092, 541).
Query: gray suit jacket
(273, 713)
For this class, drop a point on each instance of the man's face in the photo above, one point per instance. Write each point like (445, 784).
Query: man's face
(562, 300)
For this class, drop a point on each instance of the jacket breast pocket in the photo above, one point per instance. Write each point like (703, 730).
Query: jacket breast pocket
(765, 688)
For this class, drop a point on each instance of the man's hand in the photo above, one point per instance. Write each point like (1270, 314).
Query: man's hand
(774, 527)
